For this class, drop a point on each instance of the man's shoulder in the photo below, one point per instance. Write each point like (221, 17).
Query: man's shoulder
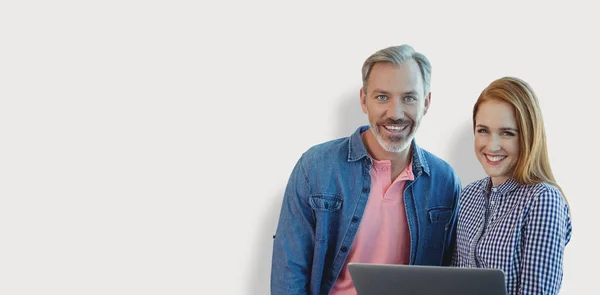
(326, 151)
(438, 165)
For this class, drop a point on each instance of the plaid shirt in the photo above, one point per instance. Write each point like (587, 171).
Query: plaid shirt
(520, 229)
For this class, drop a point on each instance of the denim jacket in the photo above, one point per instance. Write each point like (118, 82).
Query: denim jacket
(324, 202)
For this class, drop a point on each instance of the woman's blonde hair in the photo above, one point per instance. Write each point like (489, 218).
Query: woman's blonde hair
(533, 165)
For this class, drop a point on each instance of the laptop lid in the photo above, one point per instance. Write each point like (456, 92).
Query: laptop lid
(388, 279)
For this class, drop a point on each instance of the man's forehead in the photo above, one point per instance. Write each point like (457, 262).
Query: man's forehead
(390, 77)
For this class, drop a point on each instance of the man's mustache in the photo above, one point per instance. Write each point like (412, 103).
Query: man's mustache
(395, 122)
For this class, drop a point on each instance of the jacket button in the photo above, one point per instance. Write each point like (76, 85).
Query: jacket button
(354, 219)
(365, 190)
(344, 249)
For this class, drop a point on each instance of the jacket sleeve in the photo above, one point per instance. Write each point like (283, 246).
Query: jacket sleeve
(451, 241)
(294, 238)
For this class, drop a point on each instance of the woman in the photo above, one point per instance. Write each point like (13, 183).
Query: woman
(517, 218)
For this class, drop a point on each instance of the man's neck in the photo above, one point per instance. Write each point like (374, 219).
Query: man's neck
(398, 160)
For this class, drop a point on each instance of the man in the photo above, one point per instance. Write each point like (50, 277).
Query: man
(373, 197)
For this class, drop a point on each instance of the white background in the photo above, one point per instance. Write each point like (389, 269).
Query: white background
(145, 145)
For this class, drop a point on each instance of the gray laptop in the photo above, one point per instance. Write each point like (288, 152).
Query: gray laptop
(388, 279)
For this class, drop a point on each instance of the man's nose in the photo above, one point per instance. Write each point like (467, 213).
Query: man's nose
(396, 109)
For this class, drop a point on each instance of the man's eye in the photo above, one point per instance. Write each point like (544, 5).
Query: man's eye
(481, 130)
(381, 97)
(410, 99)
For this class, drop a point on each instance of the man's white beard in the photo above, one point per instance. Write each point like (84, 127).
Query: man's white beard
(398, 146)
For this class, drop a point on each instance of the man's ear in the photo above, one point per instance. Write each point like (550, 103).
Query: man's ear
(363, 99)
(427, 102)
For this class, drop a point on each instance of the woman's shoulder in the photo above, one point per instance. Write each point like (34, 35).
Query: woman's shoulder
(543, 191)
(475, 186)
(544, 197)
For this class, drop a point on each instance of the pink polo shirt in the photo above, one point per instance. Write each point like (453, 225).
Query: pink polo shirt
(383, 235)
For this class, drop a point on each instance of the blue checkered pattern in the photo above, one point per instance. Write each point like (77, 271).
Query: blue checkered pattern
(521, 229)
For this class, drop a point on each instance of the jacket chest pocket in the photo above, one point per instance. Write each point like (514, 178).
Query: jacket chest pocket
(326, 208)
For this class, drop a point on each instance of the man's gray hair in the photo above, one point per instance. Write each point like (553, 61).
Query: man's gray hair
(398, 55)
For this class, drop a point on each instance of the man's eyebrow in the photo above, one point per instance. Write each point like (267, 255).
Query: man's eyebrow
(410, 92)
(380, 91)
